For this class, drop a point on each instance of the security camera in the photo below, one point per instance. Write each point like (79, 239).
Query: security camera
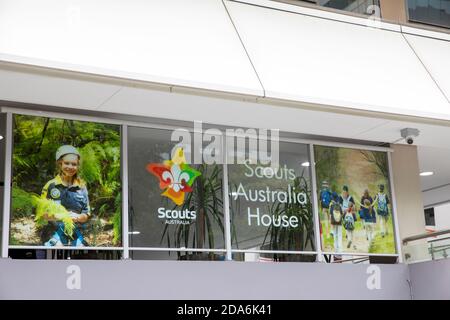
(409, 134)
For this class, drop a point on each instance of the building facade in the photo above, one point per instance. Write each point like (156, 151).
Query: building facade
(231, 145)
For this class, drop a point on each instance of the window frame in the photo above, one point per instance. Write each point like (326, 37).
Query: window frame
(228, 251)
(414, 22)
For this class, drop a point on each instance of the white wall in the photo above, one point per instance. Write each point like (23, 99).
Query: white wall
(408, 192)
(430, 280)
(204, 280)
(442, 216)
(410, 212)
(436, 197)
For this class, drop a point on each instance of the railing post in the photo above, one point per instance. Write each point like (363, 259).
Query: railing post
(432, 251)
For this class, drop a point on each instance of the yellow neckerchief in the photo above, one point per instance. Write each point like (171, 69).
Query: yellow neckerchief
(76, 183)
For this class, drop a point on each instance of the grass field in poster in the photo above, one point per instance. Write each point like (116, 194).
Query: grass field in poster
(358, 179)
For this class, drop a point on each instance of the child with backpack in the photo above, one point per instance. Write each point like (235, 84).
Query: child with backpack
(336, 217)
(325, 201)
(382, 201)
(348, 207)
(367, 213)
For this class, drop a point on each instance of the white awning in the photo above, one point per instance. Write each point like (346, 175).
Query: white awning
(435, 54)
(311, 59)
(177, 42)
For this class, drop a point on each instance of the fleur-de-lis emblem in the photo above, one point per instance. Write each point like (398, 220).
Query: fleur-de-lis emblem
(175, 176)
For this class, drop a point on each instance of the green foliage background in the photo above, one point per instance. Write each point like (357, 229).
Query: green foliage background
(36, 140)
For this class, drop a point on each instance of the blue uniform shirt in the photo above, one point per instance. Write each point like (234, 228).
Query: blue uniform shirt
(74, 198)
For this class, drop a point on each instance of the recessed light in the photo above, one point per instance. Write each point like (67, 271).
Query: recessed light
(306, 164)
(1, 137)
(426, 173)
(134, 232)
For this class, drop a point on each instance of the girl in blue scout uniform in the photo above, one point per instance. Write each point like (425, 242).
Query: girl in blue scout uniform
(70, 191)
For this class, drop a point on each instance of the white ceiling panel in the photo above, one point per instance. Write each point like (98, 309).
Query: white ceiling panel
(54, 91)
(435, 54)
(419, 31)
(139, 101)
(436, 196)
(431, 135)
(316, 11)
(310, 59)
(181, 42)
(436, 160)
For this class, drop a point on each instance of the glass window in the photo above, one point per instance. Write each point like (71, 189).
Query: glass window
(59, 254)
(66, 184)
(273, 257)
(270, 207)
(66, 191)
(429, 217)
(356, 6)
(354, 201)
(173, 203)
(177, 255)
(434, 12)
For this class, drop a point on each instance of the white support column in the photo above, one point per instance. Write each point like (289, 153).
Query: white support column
(409, 210)
(397, 238)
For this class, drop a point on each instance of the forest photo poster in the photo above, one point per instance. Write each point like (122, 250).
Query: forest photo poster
(66, 183)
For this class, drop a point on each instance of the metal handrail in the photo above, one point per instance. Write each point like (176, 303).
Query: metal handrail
(433, 251)
(440, 239)
(440, 248)
(354, 260)
(425, 235)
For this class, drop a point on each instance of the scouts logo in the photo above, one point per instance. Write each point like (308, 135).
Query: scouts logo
(175, 176)
(55, 194)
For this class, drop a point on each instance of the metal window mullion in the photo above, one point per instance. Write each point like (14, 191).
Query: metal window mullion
(7, 185)
(31, 247)
(226, 200)
(360, 254)
(125, 225)
(315, 204)
(275, 251)
(160, 249)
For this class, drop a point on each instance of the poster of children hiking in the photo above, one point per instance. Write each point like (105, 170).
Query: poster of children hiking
(66, 187)
(354, 200)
